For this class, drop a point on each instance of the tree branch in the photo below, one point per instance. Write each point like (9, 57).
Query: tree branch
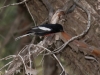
(30, 13)
(13, 4)
(49, 7)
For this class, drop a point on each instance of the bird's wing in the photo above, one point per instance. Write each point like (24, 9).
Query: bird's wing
(41, 29)
(44, 28)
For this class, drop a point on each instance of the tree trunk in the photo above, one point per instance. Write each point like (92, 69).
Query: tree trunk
(76, 63)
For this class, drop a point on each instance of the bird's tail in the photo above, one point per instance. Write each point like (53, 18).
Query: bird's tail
(23, 36)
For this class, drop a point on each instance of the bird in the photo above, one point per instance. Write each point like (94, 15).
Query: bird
(43, 30)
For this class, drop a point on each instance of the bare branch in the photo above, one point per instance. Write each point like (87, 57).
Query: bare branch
(8, 57)
(23, 36)
(63, 70)
(91, 58)
(67, 5)
(24, 55)
(30, 55)
(22, 61)
(13, 4)
(49, 7)
(71, 9)
(30, 14)
(6, 65)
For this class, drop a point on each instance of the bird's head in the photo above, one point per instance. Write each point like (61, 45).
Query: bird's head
(59, 27)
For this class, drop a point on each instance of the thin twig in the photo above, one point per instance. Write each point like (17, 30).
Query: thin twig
(8, 57)
(25, 57)
(6, 65)
(13, 4)
(25, 28)
(91, 58)
(3, 5)
(63, 70)
(23, 49)
(23, 36)
(30, 61)
(71, 9)
(42, 60)
(49, 7)
(30, 55)
(22, 61)
(30, 14)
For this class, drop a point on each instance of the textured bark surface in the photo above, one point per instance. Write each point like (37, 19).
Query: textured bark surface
(76, 63)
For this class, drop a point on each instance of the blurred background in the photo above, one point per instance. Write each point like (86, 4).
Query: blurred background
(14, 21)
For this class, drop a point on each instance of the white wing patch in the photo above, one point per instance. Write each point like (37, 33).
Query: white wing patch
(44, 28)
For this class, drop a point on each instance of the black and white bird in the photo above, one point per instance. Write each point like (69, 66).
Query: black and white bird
(43, 30)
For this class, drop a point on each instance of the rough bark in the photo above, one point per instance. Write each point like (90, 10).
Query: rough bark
(76, 63)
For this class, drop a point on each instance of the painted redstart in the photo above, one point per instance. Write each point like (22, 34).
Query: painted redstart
(43, 30)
